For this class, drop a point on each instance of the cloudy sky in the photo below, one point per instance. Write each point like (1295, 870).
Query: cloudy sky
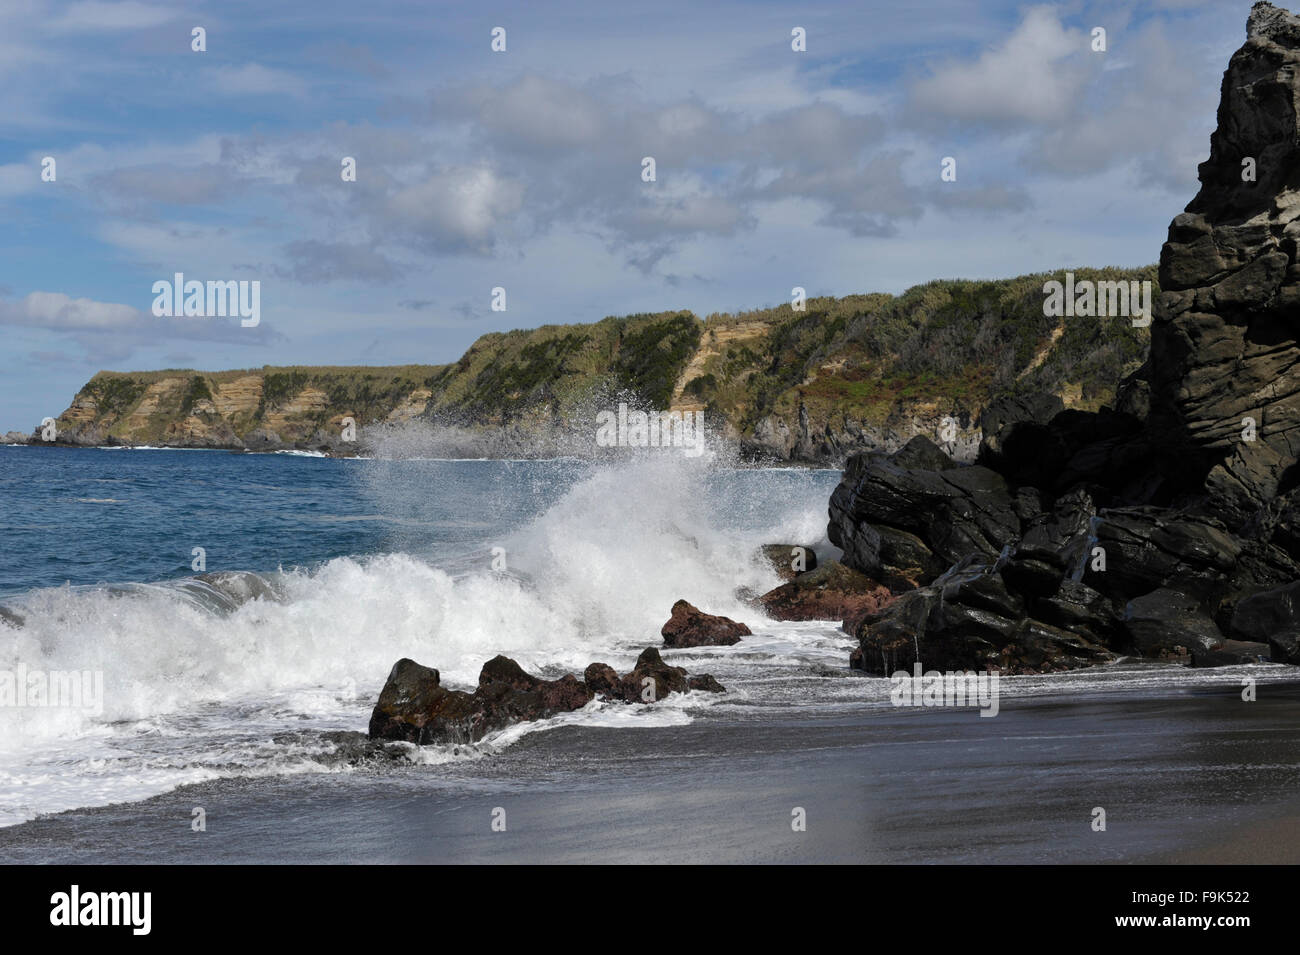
(523, 169)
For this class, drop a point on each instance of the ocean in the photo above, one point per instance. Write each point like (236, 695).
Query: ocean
(227, 680)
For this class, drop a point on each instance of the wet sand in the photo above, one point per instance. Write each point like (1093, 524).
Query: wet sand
(1185, 775)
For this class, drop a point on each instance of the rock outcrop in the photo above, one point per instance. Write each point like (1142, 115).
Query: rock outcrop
(1225, 359)
(1165, 527)
(415, 707)
(831, 592)
(302, 408)
(689, 626)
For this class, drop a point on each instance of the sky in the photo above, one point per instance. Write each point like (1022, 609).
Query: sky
(523, 169)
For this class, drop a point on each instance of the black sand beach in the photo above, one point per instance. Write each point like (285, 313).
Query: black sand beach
(1185, 774)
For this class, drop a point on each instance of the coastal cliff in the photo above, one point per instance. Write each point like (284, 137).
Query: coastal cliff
(811, 386)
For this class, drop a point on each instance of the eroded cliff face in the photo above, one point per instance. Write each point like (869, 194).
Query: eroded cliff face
(1167, 528)
(1225, 360)
(810, 386)
(270, 409)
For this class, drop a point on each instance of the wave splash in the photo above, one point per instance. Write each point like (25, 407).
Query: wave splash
(592, 576)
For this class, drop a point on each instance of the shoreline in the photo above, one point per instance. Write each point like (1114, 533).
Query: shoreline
(878, 786)
(739, 464)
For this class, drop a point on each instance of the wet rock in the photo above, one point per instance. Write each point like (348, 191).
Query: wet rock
(691, 627)
(943, 512)
(414, 707)
(1078, 608)
(1262, 616)
(969, 619)
(602, 679)
(410, 698)
(704, 683)
(650, 666)
(1168, 623)
(1284, 647)
(355, 749)
(1148, 548)
(831, 592)
(1162, 526)
(1231, 653)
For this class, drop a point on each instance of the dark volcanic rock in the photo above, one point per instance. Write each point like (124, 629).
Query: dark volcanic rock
(1285, 647)
(1266, 614)
(1016, 440)
(910, 514)
(1224, 347)
(411, 698)
(1169, 624)
(969, 619)
(691, 627)
(1148, 548)
(602, 679)
(1231, 653)
(705, 683)
(1164, 526)
(831, 592)
(414, 707)
(650, 666)
(789, 560)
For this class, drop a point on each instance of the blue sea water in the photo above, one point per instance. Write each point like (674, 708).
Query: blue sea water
(319, 573)
(89, 516)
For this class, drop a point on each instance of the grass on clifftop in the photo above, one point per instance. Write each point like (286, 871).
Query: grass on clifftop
(943, 347)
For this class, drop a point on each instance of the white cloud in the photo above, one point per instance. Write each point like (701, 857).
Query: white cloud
(1036, 75)
(56, 310)
(457, 208)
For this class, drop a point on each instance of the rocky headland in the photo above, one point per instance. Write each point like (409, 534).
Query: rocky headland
(780, 384)
(1164, 526)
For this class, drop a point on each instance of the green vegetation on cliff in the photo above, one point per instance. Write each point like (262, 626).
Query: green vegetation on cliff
(505, 375)
(862, 361)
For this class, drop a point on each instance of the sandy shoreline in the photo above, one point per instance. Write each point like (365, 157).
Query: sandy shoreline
(1185, 776)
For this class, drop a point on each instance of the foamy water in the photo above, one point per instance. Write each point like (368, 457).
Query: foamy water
(202, 677)
(556, 564)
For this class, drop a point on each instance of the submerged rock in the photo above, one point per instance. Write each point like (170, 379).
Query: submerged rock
(690, 626)
(414, 707)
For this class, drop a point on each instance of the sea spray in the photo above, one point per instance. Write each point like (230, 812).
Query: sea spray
(204, 675)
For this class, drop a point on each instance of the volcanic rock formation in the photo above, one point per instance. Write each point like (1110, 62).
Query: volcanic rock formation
(1167, 527)
(415, 707)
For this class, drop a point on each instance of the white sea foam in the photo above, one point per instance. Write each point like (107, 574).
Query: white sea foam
(200, 675)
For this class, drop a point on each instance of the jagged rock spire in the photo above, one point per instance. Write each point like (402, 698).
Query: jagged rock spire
(1225, 361)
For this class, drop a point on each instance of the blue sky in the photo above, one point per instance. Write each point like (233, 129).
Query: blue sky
(522, 169)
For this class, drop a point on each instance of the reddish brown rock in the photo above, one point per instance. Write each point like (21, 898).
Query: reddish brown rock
(602, 679)
(414, 707)
(691, 627)
(831, 592)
